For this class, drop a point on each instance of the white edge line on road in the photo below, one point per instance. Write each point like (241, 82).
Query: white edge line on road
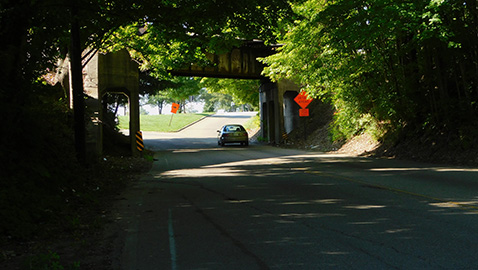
(172, 242)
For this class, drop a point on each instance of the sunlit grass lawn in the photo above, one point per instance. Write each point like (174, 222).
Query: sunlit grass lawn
(161, 122)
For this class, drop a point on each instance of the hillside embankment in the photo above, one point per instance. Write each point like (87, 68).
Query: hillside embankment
(438, 147)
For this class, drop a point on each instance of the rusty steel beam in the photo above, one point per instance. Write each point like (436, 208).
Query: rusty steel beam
(239, 63)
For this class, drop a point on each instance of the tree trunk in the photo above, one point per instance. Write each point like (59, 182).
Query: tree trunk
(160, 107)
(77, 87)
(117, 104)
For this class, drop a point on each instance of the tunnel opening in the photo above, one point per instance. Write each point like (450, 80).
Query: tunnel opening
(115, 142)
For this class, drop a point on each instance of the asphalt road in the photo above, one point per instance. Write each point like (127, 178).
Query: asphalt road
(259, 207)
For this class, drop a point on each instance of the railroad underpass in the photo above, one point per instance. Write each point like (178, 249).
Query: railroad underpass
(117, 73)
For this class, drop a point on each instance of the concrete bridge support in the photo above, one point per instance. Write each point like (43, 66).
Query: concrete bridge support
(279, 111)
(109, 73)
(117, 73)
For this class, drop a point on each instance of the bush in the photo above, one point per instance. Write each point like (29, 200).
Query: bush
(49, 261)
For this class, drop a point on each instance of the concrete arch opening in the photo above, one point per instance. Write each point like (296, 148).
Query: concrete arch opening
(104, 74)
(117, 73)
(267, 98)
(291, 111)
(115, 142)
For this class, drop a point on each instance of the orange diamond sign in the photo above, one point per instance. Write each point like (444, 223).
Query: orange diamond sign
(303, 99)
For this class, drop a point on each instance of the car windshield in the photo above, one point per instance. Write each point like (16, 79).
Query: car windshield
(233, 128)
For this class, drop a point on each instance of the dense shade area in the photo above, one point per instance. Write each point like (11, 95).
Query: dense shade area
(402, 70)
(42, 157)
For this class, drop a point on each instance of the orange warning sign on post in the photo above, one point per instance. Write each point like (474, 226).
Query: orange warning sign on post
(303, 112)
(174, 108)
(303, 99)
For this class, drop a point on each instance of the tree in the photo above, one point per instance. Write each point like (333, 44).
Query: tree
(38, 160)
(387, 64)
(164, 34)
(215, 101)
(178, 89)
(242, 92)
(158, 100)
(186, 88)
(179, 33)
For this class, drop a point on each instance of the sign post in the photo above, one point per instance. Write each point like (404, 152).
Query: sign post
(303, 100)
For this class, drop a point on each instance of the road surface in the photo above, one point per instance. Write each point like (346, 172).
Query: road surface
(259, 207)
(201, 134)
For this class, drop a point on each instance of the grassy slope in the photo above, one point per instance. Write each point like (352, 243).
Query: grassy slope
(162, 122)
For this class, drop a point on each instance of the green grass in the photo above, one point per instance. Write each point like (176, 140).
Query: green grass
(161, 122)
(253, 123)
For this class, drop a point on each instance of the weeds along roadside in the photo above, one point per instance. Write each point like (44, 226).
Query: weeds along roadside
(73, 221)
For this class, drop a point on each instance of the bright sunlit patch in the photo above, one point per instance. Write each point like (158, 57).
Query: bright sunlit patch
(365, 207)
(363, 223)
(328, 201)
(397, 230)
(210, 172)
(295, 203)
(229, 169)
(335, 252)
(187, 151)
(179, 151)
(463, 204)
(234, 169)
(455, 170)
(267, 161)
(240, 201)
(445, 205)
(299, 169)
(436, 169)
(396, 169)
(283, 221)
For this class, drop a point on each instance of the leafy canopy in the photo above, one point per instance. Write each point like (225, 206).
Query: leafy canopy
(176, 33)
(242, 91)
(383, 63)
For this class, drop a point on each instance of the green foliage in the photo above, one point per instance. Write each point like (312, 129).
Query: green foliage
(242, 92)
(185, 88)
(253, 123)
(226, 94)
(178, 33)
(178, 90)
(49, 261)
(385, 64)
(158, 100)
(40, 179)
(38, 162)
(216, 101)
(42, 186)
